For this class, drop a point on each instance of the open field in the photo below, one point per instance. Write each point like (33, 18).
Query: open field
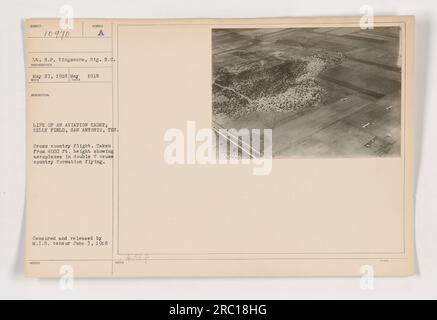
(325, 92)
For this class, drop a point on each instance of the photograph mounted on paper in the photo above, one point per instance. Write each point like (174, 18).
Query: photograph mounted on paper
(333, 103)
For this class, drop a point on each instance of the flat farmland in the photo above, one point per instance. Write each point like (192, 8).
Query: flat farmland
(325, 92)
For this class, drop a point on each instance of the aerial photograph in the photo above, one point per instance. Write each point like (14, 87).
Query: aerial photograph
(324, 92)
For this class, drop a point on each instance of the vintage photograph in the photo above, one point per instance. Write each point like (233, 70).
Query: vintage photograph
(324, 92)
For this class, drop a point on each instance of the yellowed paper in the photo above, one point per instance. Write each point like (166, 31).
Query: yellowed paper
(119, 116)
